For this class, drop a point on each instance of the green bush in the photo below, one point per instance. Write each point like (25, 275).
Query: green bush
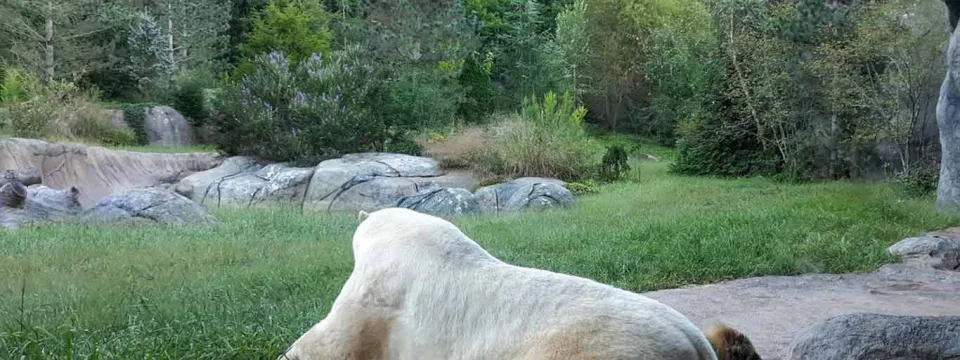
(415, 99)
(546, 138)
(62, 111)
(614, 164)
(120, 137)
(189, 99)
(298, 29)
(918, 183)
(318, 109)
(135, 115)
(582, 188)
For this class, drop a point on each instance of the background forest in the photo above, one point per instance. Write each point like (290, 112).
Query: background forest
(800, 90)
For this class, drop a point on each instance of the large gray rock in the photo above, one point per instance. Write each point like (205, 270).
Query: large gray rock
(243, 182)
(167, 127)
(494, 198)
(148, 205)
(52, 204)
(880, 337)
(442, 202)
(29, 176)
(371, 181)
(932, 250)
(948, 121)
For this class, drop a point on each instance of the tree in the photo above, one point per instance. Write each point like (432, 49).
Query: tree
(296, 28)
(151, 63)
(54, 38)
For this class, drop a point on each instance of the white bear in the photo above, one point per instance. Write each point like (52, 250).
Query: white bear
(422, 290)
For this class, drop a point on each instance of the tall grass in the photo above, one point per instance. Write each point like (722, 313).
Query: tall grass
(250, 286)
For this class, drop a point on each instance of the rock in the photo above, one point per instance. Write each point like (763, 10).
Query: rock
(116, 118)
(241, 181)
(95, 171)
(442, 202)
(880, 337)
(934, 251)
(369, 181)
(13, 194)
(148, 205)
(167, 127)
(51, 204)
(948, 121)
(494, 198)
(31, 176)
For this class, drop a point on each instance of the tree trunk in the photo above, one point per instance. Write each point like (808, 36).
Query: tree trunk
(948, 120)
(170, 48)
(48, 64)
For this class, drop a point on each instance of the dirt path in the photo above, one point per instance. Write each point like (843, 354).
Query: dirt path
(771, 310)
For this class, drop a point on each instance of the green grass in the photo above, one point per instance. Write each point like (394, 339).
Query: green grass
(249, 287)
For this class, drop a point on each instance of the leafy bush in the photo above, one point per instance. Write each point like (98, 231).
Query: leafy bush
(63, 111)
(614, 164)
(189, 99)
(17, 86)
(416, 99)
(298, 29)
(318, 109)
(135, 115)
(582, 188)
(546, 139)
(918, 183)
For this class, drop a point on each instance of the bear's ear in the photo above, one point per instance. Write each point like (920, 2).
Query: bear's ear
(362, 215)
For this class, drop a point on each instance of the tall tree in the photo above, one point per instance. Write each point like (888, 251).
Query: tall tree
(54, 38)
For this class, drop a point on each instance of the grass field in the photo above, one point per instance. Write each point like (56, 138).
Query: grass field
(249, 287)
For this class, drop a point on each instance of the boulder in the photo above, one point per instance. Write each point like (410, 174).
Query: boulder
(31, 176)
(148, 205)
(51, 204)
(442, 202)
(494, 198)
(879, 337)
(934, 251)
(243, 182)
(167, 127)
(95, 171)
(370, 181)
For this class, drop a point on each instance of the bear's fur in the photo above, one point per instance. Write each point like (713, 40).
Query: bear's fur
(421, 289)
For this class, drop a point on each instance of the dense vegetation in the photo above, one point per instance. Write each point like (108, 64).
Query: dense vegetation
(801, 89)
(250, 286)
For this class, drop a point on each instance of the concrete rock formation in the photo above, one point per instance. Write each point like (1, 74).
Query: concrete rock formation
(148, 205)
(167, 127)
(880, 337)
(442, 202)
(97, 172)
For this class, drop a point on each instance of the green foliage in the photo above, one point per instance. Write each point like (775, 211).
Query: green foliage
(475, 80)
(135, 115)
(298, 28)
(614, 164)
(918, 183)
(420, 98)
(586, 187)
(304, 113)
(189, 96)
(17, 86)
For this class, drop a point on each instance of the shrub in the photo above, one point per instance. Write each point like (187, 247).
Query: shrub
(416, 99)
(189, 99)
(614, 164)
(545, 139)
(582, 188)
(135, 115)
(319, 109)
(298, 29)
(918, 183)
(63, 111)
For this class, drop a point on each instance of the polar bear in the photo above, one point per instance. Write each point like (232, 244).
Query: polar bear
(422, 290)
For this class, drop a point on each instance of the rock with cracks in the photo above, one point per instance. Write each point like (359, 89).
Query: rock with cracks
(372, 181)
(97, 171)
(42, 205)
(149, 205)
(493, 199)
(243, 182)
(880, 337)
(442, 202)
(938, 252)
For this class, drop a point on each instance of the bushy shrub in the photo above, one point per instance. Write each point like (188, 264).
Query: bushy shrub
(614, 164)
(918, 183)
(135, 115)
(546, 139)
(188, 96)
(416, 99)
(582, 188)
(318, 109)
(63, 111)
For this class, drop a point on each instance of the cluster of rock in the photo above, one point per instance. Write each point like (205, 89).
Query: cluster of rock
(879, 337)
(163, 126)
(938, 250)
(367, 181)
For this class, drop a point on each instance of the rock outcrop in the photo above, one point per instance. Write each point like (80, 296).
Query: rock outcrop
(521, 193)
(167, 127)
(932, 250)
(95, 171)
(442, 202)
(148, 205)
(880, 337)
